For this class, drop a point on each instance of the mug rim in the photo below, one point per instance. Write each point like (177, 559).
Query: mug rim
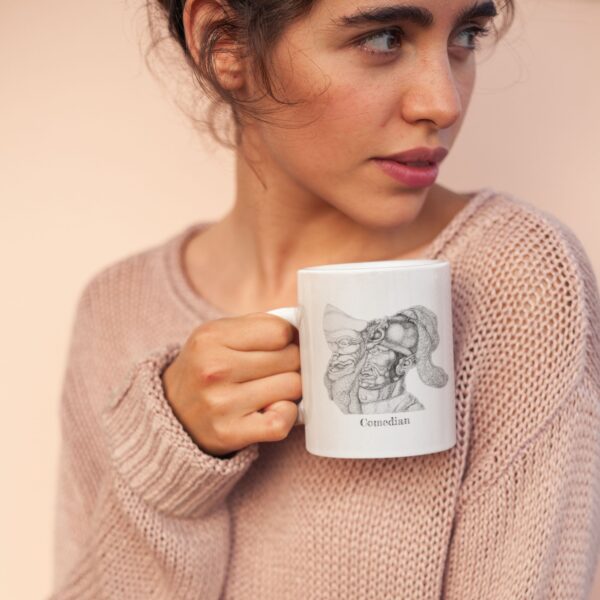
(376, 265)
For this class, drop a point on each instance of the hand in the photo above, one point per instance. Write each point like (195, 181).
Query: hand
(236, 381)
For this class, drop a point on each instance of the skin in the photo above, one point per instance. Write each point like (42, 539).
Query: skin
(326, 201)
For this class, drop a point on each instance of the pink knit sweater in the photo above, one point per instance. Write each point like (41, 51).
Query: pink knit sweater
(511, 512)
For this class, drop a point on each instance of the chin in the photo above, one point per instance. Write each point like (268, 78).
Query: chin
(390, 214)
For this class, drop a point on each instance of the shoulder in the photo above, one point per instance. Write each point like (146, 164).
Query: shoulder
(124, 312)
(124, 276)
(122, 304)
(134, 280)
(526, 268)
(525, 299)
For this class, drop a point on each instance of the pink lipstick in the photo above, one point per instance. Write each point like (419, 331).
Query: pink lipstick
(418, 167)
(412, 176)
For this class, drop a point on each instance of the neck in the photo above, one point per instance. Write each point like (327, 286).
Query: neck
(283, 228)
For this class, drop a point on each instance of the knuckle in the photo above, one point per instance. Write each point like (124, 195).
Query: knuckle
(212, 371)
(205, 331)
(216, 402)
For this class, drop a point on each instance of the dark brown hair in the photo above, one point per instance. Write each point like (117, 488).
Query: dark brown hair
(255, 26)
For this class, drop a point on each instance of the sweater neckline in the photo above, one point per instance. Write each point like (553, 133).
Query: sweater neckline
(179, 283)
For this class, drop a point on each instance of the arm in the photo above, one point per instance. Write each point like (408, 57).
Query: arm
(141, 510)
(534, 532)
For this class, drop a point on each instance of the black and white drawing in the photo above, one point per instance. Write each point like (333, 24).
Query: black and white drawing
(367, 370)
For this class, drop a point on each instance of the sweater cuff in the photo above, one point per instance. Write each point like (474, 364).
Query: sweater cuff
(155, 455)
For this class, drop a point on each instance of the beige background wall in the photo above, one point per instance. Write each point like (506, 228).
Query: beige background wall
(95, 164)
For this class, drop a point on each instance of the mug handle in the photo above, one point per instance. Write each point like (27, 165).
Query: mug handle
(291, 315)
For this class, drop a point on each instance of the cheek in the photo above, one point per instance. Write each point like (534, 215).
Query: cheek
(351, 119)
(465, 83)
(331, 133)
(333, 124)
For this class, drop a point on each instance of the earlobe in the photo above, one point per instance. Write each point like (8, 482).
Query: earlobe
(228, 65)
(231, 78)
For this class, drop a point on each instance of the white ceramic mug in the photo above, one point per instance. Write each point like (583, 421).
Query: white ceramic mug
(376, 358)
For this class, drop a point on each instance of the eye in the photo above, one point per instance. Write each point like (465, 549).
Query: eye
(477, 32)
(396, 33)
(380, 40)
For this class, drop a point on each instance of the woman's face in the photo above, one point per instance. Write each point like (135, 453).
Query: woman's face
(405, 86)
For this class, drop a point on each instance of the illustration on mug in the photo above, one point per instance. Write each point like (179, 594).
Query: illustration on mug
(367, 370)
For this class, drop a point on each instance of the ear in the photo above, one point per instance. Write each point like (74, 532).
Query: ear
(197, 14)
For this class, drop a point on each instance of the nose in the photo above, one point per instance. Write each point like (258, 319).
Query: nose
(434, 93)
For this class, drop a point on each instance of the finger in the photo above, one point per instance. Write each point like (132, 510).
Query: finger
(258, 364)
(257, 331)
(257, 394)
(272, 424)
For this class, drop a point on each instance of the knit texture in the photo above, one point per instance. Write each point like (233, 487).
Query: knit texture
(511, 512)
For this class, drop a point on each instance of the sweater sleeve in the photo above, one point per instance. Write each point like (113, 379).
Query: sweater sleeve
(534, 533)
(151, 520)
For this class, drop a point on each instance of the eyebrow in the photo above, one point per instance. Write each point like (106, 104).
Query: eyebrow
(414, 14)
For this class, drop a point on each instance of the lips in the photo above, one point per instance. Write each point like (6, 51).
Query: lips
(415, 177)
(421, 154)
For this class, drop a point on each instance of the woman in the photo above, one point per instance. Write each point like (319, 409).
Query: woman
(182, 475)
